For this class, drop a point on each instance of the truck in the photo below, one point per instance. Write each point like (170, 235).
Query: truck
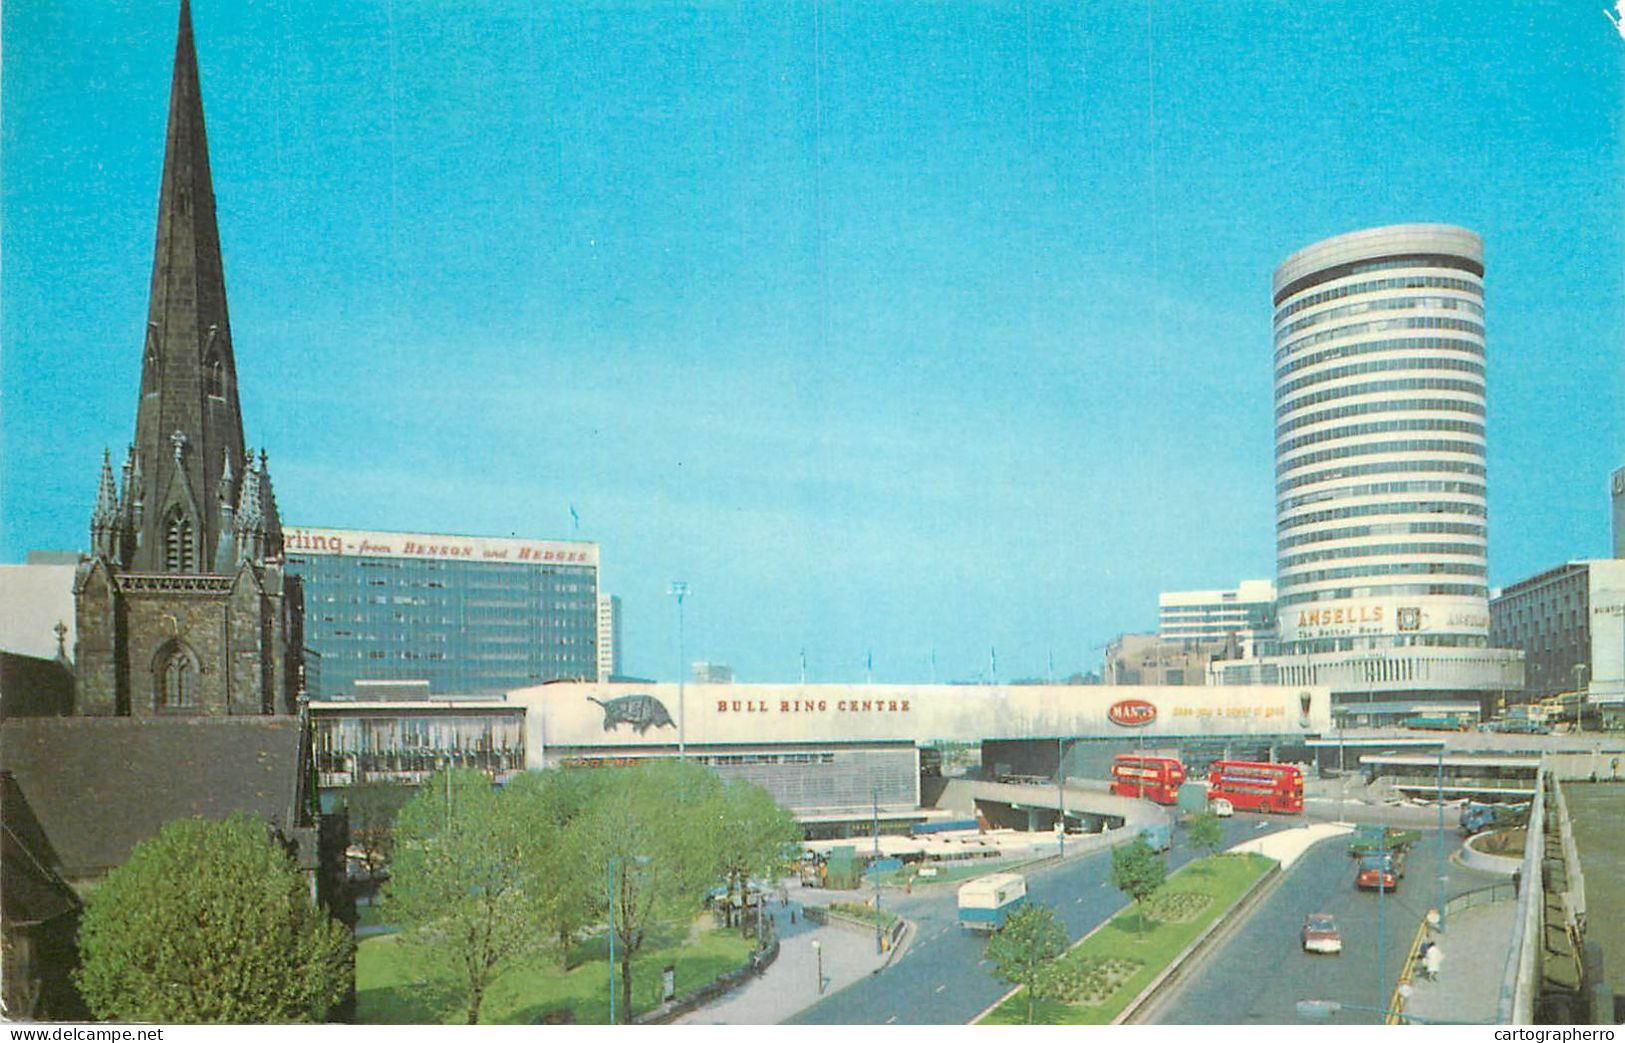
(1477, 816)
(1370, 840)
(1193, 798)
(1157, 835)
(986, 902)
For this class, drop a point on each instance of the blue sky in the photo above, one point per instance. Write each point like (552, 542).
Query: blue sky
(905, 327)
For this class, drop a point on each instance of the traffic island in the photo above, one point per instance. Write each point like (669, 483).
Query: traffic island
(1119, 962)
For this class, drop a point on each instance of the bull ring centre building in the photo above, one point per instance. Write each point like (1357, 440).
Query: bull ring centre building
(830, 753)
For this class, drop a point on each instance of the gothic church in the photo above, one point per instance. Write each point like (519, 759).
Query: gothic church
(183, 606)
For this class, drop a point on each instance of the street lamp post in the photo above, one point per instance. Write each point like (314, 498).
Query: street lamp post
(679, 590)
(1060, 789)
(1438, 800)
(1323, 1010)
(1382, 921)
(874, 795)
(1580, 670)
(818, 954)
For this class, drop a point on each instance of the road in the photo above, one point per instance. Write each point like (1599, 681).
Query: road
(1259, 973)
(942, 979)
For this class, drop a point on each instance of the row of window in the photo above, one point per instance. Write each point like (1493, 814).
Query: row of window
(1351, 532)
(1381, 304)
(1398, 405)
(1405, 568)
(1421, 322)
(1379, 427)
(1394, 590)
(1390, 670)
(1402, 282)
(1403, 445)
(1372, 347)
(1353, 268)
(1380, 550)
(1386, 467)
(1360, 369)
(1377, 387)
(1365, 510)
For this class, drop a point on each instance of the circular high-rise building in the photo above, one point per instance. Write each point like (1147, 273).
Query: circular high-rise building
(1379, 452)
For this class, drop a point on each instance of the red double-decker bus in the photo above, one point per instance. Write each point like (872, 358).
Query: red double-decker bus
(1256, 786)
(1155, 778)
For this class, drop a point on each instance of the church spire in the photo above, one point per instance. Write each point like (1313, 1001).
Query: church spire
(188, 422)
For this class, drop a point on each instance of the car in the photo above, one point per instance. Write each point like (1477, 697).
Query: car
(1221, 807)
(1320, 934)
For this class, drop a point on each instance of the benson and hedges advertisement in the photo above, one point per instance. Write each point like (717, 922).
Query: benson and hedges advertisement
(359, 543)
(585, 714)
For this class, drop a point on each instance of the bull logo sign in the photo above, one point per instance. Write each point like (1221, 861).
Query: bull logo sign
(1131, 713)
(642, 712)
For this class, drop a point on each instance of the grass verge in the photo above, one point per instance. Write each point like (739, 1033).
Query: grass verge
(390, 990)
(1153, 944)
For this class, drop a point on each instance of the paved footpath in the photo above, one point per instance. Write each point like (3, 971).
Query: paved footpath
(790, 984)
(1475, 946)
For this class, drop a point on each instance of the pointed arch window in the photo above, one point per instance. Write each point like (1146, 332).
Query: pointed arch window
(177, 678)
(214, 376)
(180, 542)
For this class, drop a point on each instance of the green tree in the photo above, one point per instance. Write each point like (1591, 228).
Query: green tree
(1023, 951)
(211, 923)
(456, 887)
(1206, 833)
(646, 833)
(1138, 871)
(751, 834)
(372, 808)
(567, 893)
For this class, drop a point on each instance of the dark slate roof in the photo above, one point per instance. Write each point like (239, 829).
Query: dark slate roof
(33, 687)
(100, 785)
(30, 890)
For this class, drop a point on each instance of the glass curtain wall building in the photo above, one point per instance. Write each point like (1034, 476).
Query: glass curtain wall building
(444, 614)
(1381, 520)
(1379, 442)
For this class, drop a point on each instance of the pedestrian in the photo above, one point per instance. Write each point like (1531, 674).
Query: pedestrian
(1435, 959)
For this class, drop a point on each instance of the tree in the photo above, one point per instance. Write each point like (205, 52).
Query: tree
(456, 887)
(372, 809)
(211, 923)
(751, 833)
(1137, 871)
(1024, 951)
(645, 832)
(1206, 833)
(566, 891)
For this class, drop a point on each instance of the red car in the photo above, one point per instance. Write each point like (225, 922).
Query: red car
(1320, 934)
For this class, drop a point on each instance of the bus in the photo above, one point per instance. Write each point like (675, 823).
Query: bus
(1155, 778)
(1256, 786)
(986, 902)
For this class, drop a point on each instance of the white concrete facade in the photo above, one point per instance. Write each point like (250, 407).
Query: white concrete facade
(623, 719)
(1246, 612)
(609, 636)
(33, 600)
